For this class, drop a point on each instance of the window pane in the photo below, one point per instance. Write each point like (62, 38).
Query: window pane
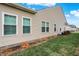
(9, 29)
(9, 20)
(43, 29)
(9, 24)
(43, 24)
(26, 22)
(47, 24)
(54, 29)
(26, 25)
(47, 29)
(26, 29)
(60, 29)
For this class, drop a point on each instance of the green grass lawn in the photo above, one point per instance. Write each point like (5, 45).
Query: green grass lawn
(60, 46)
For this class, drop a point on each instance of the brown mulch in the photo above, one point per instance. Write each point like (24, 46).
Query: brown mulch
(24, 45)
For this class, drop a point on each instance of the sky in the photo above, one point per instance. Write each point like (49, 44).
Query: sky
(71, 10)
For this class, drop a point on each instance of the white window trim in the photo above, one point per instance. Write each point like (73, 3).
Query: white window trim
(3, 13)
(30, 24)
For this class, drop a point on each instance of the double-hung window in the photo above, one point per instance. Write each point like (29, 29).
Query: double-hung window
(43, 26)
(26, 25)
(54, 27)
(9, 24)
(47, 26)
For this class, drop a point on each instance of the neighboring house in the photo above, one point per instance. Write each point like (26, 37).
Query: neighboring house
(71, 28)
(19, 24)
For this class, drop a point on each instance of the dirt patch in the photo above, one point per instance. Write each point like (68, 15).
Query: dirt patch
(24, 45)
(11, 50)
(77, 51)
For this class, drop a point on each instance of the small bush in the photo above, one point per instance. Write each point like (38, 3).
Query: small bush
(65, 32)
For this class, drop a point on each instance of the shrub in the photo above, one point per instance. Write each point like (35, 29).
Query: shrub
(65, 32)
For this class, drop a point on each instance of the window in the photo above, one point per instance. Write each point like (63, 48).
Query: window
(54, 27)
(26, 25)
(43, 26)
(60, 29)
(47, 26)
(9, 24)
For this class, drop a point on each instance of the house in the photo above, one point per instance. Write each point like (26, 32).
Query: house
(19, 24)
(71, 28)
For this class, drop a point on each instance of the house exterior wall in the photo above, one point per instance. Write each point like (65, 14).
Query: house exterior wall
(51, 15)
(55, 16)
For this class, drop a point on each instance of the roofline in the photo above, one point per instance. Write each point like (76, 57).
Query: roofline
(53, 8)
(20, 7)
(29, 10)
(64, 15)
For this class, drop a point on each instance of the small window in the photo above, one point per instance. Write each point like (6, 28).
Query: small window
(47, 26)
(9, 24)
(43, 26)
(60, 29)
(54, 27)
(26, 25)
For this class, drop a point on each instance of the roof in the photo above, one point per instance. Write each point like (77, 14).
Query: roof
(20, 7)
